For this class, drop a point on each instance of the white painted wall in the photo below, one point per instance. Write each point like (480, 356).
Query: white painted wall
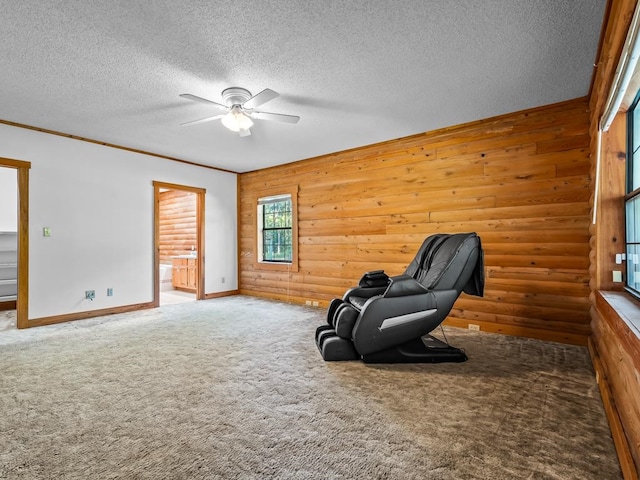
(98, 202)
(8, 200)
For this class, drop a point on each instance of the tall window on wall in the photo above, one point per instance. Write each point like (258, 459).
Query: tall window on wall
(632, 198)
(277, 231)
(277, 220)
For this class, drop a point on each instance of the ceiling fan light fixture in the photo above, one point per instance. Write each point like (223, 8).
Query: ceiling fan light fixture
(236, 120)
(240, 109)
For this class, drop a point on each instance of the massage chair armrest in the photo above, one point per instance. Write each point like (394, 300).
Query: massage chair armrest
(404, 285)
(371, 284)
(364, 292)
(374, 278)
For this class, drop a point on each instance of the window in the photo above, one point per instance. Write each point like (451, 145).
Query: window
(276, 231)
(277, 237)
(632, 199)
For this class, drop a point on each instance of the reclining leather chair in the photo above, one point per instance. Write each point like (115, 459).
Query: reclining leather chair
(387, 319)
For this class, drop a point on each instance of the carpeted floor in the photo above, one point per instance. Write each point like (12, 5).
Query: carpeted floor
(7, 320)
(169, 297)
(235, 388)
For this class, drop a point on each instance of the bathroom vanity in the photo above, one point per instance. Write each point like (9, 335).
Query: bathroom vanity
(185, 272)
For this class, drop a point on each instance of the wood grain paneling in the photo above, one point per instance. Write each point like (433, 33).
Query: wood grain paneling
(615, 348)
(178, 224)
(609, 229)
(520, 180)
(618, 350)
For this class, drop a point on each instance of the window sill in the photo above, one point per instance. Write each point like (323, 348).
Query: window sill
(277, 266)
(624, 307)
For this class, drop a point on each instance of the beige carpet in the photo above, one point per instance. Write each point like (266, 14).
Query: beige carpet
(7, 320)
(170, 297)
(235, 388)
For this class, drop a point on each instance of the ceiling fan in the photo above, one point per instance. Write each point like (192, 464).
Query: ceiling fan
(239, 111)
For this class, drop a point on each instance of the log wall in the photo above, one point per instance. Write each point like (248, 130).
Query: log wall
(615, 344)
(178, 224)
(615, 351)
(520, 180)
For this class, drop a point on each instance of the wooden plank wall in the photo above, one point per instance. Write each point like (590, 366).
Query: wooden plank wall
(615, 348)
(615, 351)
(178, 225)
(520, 180)
(610, 225)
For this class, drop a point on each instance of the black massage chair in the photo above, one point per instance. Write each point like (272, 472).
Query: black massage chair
(387, 319)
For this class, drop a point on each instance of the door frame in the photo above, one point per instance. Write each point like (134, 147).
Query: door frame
(200, 197)
(22, 302)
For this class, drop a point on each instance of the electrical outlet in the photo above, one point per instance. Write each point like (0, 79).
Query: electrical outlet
(308, 302)
(90, 295)
(473, 326)
(109, 292)
(314, 303)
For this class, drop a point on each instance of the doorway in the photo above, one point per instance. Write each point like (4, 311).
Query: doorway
(8, 247)
(14, 243)
(179, 243)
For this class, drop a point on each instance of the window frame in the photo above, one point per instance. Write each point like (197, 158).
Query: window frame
(259, 263)
(267, 227)
(632, 194)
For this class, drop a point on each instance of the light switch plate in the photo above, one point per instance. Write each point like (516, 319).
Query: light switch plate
(46, 231)
(617, 276)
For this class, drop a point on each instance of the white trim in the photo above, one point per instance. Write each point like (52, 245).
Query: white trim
(406, 318)
(597, 182)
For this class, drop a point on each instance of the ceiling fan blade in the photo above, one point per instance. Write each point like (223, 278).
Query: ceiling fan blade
(263, 97)
(188, 96)
(202, 120)
(244, 133)
(278, 117)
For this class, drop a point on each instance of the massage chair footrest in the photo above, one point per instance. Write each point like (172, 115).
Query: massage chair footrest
(427, 349)
(333, 348)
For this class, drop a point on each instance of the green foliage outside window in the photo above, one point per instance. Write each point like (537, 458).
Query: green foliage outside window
(277, 237)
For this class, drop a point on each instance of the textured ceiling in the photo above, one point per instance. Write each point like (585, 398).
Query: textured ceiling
(356, 71)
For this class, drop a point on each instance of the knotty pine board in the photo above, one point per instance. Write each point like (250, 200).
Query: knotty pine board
(522, 181)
